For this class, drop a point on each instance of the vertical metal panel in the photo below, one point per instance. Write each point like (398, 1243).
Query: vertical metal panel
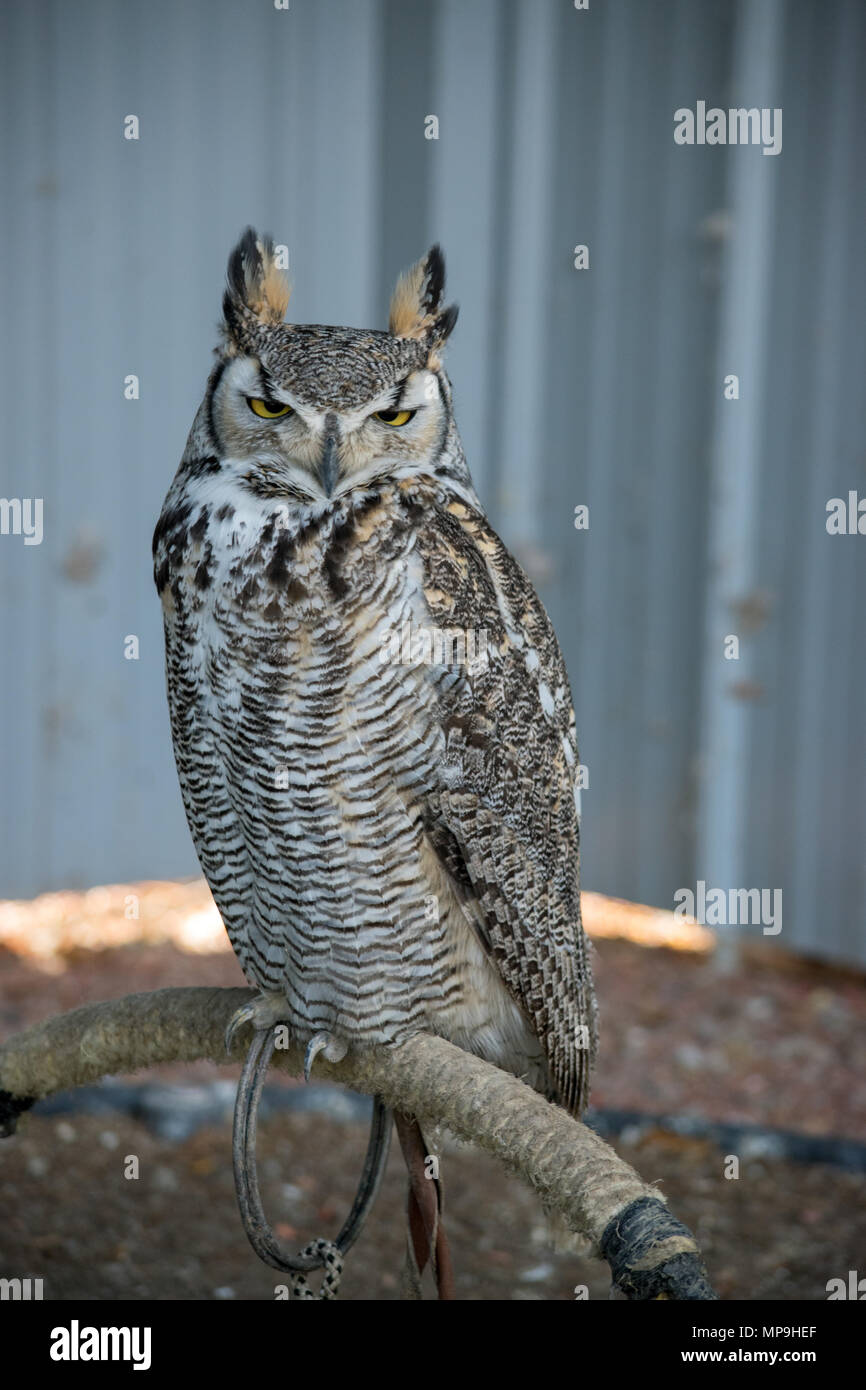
(28, 450)
(628, 408)
(743, 350)
(598, 386)
(525, 267)
(467, 91)
(806, 795)
(404, 101)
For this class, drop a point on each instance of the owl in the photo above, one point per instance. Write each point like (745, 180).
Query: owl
(371, 717)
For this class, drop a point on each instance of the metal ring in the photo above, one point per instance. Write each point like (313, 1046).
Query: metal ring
(244, 1135)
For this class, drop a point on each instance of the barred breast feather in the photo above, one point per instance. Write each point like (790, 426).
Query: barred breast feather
(392, 843)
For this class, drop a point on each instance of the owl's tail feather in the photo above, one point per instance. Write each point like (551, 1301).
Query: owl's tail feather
(321, 1254)
(426, 1238)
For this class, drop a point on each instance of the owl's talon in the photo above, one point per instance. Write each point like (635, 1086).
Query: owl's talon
(240, 1016)
(263, 1013)
(334, 1049)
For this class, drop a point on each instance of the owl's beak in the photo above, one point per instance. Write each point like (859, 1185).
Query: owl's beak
(329, 466)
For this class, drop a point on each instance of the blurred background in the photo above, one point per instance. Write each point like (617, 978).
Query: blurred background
(707, 517)
(601, 387)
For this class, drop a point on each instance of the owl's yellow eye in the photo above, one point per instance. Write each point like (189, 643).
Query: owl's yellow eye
(393, 417)
(267, 410)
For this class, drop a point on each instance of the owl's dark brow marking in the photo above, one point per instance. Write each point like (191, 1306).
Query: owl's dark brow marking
(400, 387)
(268, 387)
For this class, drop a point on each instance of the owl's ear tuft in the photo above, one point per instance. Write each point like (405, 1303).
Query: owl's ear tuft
(415, 303)
(257, 290)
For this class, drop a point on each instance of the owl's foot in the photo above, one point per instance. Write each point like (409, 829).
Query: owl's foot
(320, 1254)
(263, 1013)
(334, 1049)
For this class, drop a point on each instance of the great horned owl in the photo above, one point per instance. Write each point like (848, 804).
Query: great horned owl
(371, 716)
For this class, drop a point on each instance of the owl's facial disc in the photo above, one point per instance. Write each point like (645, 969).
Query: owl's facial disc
(285, 446)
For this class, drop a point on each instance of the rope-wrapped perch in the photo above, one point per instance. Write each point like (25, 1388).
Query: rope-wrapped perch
(574, 1171)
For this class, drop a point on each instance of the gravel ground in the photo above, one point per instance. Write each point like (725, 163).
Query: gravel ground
(772, 1042)
(72, 1218)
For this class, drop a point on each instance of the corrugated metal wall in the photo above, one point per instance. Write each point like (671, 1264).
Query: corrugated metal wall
(601, 386)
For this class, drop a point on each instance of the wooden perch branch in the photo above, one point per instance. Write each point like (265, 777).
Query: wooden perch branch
(575, 1172)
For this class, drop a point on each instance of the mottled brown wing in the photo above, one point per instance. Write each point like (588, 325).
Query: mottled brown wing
(503, 818)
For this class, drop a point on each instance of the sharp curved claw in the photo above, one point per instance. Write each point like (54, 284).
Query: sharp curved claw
(241, 1016)
(317, 1044)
